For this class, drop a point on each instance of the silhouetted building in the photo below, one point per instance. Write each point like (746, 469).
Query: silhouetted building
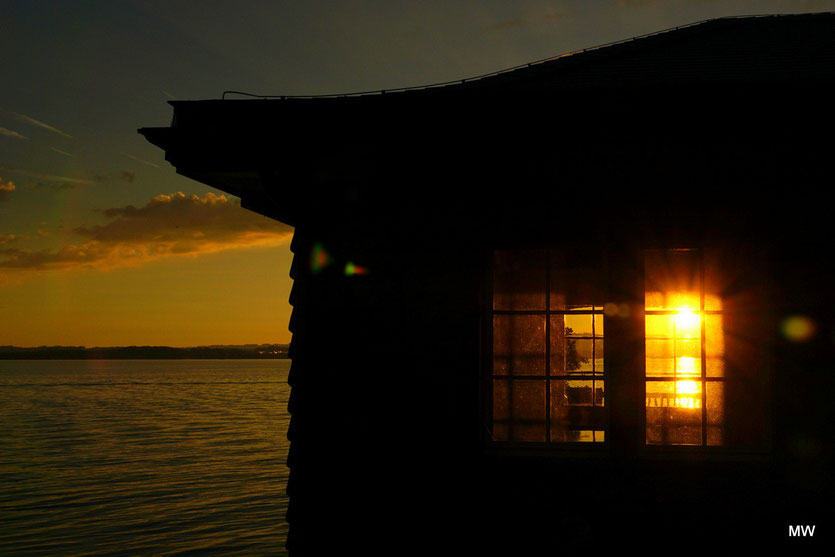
(582, 303)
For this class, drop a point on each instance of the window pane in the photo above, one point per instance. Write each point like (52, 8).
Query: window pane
(673, 280)
(576, 280)
(660, 358)
(577, 393)
(714, 346)
(558, 345)
(715, 412)
(598, 356)
(518, 410)
(659, 326)
(519, 344)
(571, 355)
(715, 284)
(519, 280)
(584, 359)
(577, 415)
(679, 334)
(674, 415)
(578, 325)
(688, 359)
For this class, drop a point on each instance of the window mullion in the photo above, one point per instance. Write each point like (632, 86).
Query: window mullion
(703, 357)
(547, 346)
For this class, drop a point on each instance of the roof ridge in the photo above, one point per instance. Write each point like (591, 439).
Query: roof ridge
(596, 48)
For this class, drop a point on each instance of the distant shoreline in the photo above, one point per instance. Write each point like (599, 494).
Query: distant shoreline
(218, 352)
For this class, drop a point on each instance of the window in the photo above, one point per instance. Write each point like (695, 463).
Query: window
(547, 336)
(684, 371)
(704, 366)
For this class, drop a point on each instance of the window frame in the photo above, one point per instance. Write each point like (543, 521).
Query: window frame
(625, 396)
(488, 375)
(703, 379)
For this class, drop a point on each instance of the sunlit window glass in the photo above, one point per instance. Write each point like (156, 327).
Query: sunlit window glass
(684, 351)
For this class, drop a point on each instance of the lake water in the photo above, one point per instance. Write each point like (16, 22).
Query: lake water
(143, 457)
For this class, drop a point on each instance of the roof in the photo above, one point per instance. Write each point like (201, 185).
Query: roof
(774, 40)
(699, 83)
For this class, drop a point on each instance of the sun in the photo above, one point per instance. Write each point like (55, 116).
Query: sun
(688, 323)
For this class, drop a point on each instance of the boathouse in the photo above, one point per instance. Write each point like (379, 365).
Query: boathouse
(582, 303)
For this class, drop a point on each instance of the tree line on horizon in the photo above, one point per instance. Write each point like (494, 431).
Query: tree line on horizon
(247, 351)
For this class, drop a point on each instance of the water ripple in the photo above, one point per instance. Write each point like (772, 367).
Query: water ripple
(145, 457)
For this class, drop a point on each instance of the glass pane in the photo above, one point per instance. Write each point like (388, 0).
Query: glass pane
(598, 356)
(688, 358)
(575, 280)
(518, 410)
(714, 346)
(577, 414)
(599, 393)
(569, 354)
(578, 325)
(578, 393)
(598, 324)
(519, 344)
(660, 358)
(715, 412)
(659, 326)
(714, 283)
(687, 324)
(673, 280)
(519, 280)
(688, 367)
(579, 357)
(674, 415)
(558, 353)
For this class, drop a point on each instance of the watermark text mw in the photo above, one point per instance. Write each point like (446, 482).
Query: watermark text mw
(801, 530)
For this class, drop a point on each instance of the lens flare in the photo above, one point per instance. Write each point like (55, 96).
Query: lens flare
(319, 258)
(351, 269)
(798, 328)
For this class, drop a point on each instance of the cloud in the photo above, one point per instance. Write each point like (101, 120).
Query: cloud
(7, 239)
(6, 187)
(639, 3)
(140, 160)
(167, 226)
(818, 5)
(547, 16)
(56, 185)
(11, 133)
(123, 175)
(47, 177)
(507, 24)
(60, 152)
(32, 121)
(127, 176)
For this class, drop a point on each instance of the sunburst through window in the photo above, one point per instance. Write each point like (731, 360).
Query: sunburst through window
(684, 351)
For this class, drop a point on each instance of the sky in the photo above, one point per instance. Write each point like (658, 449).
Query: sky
(103, 244)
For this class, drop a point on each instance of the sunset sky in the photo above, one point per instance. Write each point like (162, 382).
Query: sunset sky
(103, 244)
